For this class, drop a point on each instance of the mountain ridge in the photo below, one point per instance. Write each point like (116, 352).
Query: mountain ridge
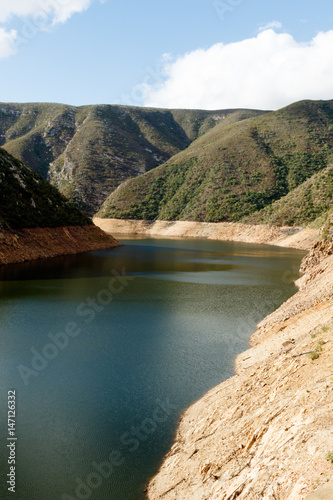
(87, 151)
(232, 172)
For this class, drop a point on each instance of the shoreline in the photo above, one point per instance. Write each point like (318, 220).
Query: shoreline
(290, 237)
(22, 245)
(267, 431)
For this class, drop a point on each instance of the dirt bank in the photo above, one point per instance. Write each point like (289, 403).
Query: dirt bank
(36, 243)
(224, 231)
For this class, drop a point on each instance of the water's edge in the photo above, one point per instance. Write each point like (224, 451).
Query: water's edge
(28, 244)
(189, 478)
(195, 467)
(289, 237)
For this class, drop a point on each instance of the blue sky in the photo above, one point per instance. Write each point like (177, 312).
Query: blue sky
(201, 53)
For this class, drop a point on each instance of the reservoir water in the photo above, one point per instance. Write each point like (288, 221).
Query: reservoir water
(106, 349)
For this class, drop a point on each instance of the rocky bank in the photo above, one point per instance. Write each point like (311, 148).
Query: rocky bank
(286, 236)
(266, 433)
(36, 243)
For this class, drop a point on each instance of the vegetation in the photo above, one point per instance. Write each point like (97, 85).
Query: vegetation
(310, 201)
(88, 151)
(27, 200)
(230, 165)
(316, 353)
(327, 227)
(241, 171)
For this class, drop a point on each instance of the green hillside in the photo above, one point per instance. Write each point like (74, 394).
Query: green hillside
(88, 151)
(234, 169)
(27, 200)
(310, 201)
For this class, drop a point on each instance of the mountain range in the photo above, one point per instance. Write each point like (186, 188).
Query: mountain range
(140, 163)
(236, 170)
(86, 152)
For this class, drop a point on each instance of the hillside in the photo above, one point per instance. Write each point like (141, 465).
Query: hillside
(27, 200)
(36, 221)
(310, 201)
(86, 152)
(234, 170)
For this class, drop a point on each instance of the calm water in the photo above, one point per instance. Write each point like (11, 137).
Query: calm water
(103, 366)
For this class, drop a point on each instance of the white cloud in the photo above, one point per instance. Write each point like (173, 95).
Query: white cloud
(272, 25)
(36, 15)
(58, 10)
(267, 72)
(7, 43)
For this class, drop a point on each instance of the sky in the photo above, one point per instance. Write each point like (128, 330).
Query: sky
(199, 54)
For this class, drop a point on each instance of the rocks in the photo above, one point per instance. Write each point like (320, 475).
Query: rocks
(266, 432)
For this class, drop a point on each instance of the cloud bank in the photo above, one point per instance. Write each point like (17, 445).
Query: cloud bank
(40, 14)
(265, 72)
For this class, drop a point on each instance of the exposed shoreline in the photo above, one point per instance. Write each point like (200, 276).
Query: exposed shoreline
(266, 432)
(301, 238)
(36, 243)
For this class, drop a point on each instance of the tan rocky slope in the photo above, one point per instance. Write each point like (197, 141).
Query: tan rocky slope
(293, 237)
(35, 243)
(266, 433)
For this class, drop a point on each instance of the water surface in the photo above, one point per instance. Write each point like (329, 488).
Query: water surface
(140, 352)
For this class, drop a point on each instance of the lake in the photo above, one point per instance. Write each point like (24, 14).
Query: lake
(105, 350)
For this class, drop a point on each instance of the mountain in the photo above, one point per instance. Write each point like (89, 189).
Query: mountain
(234, 169)
(86, 152)
(27, 200)
(309, 202)
(36, 221)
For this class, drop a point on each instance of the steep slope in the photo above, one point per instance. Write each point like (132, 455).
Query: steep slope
(37, 221)
(88, 151)
(233, 170)
(27, 200)
(311, 200)
(266, 432)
